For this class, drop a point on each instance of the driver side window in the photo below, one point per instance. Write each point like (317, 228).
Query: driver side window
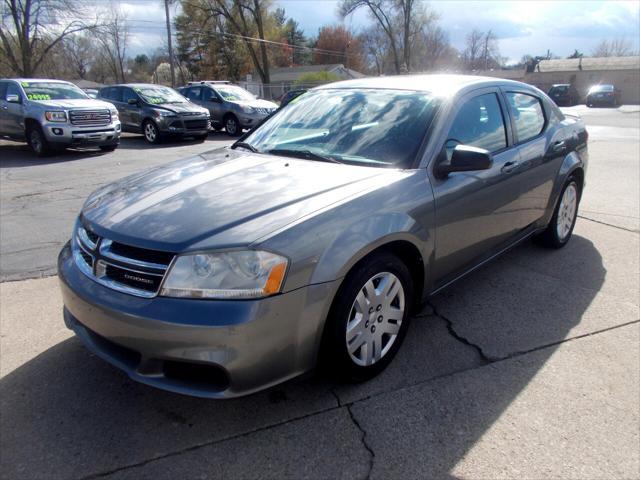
(209, 95)
(479, 123)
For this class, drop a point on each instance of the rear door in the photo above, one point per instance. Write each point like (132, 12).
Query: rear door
(476, 211)
(541, 144)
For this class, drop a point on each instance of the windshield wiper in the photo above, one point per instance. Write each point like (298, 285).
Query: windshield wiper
(306, 154)
(245, 145)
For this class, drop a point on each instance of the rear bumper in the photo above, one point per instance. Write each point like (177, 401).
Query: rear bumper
(235, 347)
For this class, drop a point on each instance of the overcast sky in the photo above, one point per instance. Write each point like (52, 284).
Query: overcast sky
(523, 27)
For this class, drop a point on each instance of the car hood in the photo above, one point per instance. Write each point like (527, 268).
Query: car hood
(75, 103)
(257, 103)
(186, 107)
(222, 198)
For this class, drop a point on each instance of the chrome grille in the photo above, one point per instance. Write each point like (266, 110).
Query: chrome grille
(264, 111)
(90, 118)
(125, 268)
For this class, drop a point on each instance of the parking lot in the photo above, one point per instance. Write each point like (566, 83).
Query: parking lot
(528, 368)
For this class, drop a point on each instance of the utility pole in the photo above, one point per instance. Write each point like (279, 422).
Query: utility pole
(173, 72)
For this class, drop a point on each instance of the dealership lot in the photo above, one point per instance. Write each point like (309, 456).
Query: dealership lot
(528, 367)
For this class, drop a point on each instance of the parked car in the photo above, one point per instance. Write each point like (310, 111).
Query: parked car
(314, 238)
(603, 95)
(157, 112)
(52, 114)
(564, 94)
(287, 97)
(230, 106)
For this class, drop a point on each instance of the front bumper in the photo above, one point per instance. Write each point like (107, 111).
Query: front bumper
(65, 134)
(251, 120)
(184, 126)
(206, 348)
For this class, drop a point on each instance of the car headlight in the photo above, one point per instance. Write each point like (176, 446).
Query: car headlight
(164, 113)
(246, 109)
(114, 114)
(56, 116)
(237, 274)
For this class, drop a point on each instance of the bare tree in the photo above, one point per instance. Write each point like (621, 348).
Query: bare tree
(617, 47)
(114, 39)
(247, 19)
(481, 52)
(380, 10)
(78, 52)
(35, 28)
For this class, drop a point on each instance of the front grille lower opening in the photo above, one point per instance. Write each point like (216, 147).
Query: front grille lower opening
(198, 375)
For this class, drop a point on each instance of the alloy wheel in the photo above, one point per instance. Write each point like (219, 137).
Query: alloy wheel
(567, 211)
(150, 132)
(231, 126)
(375, 319)
(36, 141)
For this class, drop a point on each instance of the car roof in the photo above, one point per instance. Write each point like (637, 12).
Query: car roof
(438, 84)
(50, 80)
(137, 85)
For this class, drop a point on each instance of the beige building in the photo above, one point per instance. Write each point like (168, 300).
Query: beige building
(583, 73)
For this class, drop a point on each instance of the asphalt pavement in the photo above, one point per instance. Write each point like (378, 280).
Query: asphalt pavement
(528, 368)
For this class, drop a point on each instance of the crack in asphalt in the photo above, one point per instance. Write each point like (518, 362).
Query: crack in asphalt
(363, 440)
(609, 224)
(484, 358)
(340, 405)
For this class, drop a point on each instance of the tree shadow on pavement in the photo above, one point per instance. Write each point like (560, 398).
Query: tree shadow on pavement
(67, 413)
(20, 155)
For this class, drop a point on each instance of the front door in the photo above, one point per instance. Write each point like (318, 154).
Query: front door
(212, 102)
(12, 113)
(131, 111)
(477, 211)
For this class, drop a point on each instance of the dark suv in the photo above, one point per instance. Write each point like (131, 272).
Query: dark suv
(157, 111)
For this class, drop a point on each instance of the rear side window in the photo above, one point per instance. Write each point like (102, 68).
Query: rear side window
(194, 93)
(479, 123)
(111, 93)
(528, 115)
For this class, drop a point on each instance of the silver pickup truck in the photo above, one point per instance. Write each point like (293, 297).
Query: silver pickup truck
(53, 114)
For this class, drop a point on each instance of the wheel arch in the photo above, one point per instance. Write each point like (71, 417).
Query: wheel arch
(571, 166)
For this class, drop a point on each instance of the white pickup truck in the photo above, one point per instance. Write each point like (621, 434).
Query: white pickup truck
(53, 114)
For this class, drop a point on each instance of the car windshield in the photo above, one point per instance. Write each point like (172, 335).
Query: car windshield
(232, 93)
(560, 89)
(158, 95)
(52, 91)
(363, 127)
(602, 88)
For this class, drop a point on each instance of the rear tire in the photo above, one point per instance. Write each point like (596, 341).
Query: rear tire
(38, 142)
(560, 228)
(368, 320)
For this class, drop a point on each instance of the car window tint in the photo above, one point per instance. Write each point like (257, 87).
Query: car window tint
(194, 93)
(128, 94)
(480, 123)
(13, 89)
(208, 94)
(527, 114)
(112, 93)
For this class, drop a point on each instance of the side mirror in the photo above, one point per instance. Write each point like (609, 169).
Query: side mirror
(13, 98)
(215, 100)
(132, 101)
(465, 158)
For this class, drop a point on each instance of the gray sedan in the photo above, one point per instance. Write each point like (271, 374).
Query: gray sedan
(312, 239)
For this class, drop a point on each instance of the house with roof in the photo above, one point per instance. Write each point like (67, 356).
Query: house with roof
(285, 78)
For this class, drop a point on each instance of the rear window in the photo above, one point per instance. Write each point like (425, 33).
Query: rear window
(528, 115)
(560, 89)
(602, 88)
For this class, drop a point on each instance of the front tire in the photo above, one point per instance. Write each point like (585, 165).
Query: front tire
(560, 228)
(151, 132)
(232, 126)
(368, 320)
(38, 142)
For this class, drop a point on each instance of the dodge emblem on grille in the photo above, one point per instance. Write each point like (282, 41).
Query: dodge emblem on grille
(135, 278)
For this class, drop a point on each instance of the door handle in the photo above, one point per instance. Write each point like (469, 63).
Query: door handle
(559, 146)
(509, 167)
